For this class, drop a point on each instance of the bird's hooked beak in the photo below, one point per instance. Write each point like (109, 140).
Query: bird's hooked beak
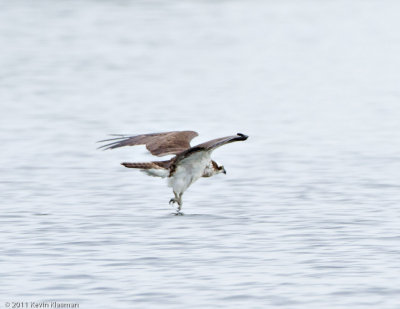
(223, 170)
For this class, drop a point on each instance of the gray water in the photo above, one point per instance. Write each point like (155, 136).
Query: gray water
(308, 213)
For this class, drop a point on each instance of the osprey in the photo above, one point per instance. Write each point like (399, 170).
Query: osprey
(188, 164)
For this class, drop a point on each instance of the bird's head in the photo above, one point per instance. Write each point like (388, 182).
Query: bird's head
(216, 169)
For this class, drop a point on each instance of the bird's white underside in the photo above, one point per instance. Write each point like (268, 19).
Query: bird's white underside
(189, 170)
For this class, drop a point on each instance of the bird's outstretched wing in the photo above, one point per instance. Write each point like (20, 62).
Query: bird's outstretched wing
(208, 146)
(218, 142)
(159, 144)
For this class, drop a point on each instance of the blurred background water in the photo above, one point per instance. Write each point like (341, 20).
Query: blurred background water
(308, 213)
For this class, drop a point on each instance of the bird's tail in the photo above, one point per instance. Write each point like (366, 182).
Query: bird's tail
(157, 169)
(141, 165)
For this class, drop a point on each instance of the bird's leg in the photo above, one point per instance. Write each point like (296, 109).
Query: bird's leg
(175, 199)
(180, 202)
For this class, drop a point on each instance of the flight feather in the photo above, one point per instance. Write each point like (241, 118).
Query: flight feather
(159, 144)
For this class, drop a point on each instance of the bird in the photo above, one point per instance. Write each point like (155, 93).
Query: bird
(186, 166)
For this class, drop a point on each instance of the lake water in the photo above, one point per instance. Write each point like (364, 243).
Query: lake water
(308, 215)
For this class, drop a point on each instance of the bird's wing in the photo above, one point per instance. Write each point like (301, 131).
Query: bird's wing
(207, 146)
(159, 144)
(218, 142)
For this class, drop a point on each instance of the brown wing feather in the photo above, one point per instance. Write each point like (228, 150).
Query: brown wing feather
(218, 142)
(159, 144)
